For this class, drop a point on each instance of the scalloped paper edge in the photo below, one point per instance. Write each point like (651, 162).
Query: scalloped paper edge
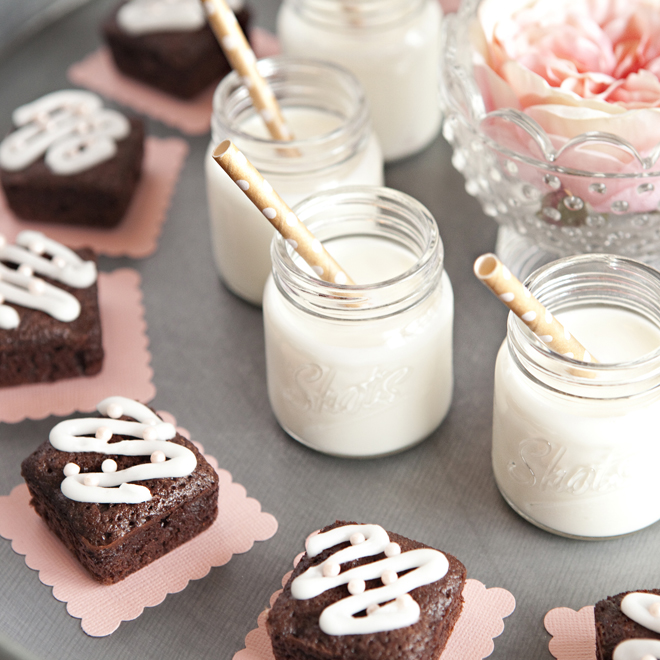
(126, 367)
(573, 633)
(102, 608)
(481, 620)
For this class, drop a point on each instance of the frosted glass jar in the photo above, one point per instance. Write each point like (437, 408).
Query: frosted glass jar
(362, 370)
(576, 451)
(392, 46)
(335, 145)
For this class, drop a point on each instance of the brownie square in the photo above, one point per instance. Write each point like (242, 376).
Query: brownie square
(179, 63)
(293, 625)
(44, 349)
(613, 626)
(97, 197)
(112, 541)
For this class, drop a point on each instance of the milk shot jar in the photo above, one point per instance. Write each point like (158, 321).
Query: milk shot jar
(576, 446)
(334, 145)
(361, 370)
(392, 46)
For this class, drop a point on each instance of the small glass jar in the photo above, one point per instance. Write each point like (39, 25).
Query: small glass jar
(392, 46)
(575, 445)
(326, 110)
(361, 370)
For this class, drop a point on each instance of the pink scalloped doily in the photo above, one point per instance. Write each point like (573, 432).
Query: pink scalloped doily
(125, 368)
(98, 73)
(481, 620)
(137, 234)
(573, 633)
(101, 609)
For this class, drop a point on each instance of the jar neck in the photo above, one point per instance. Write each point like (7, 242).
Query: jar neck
(317, 89)
(585, 281)
(361, 211)
(356, 15)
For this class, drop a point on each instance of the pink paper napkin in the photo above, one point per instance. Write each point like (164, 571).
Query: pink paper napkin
(137, 234)
(125, 368)
(481, 620)
(193, 117)
(450, 5)
(573, 633)
(101, 608)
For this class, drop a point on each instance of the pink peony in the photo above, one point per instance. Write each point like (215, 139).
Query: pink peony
(574, 66)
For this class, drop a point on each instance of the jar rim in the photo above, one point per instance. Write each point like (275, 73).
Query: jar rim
(297, 83)
(400, 218)
(357, 15)
(549, 284)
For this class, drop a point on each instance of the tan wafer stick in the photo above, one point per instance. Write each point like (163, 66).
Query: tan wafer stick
(497, 277)
(243, 60)
(262, 195)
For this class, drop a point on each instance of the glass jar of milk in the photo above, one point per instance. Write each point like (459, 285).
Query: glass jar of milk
(366, 369)
(325, 108)
(392, 46)
(576, 447)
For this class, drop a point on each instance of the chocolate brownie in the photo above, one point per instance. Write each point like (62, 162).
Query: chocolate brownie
(302, 626)
(614, 627)
(97, 195)
(112, 540)
(38, 347)
(181, 63)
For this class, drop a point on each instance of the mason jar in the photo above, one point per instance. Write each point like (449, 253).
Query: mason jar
(366, 369)
(334, 145)
(392, 46)
(576, 446)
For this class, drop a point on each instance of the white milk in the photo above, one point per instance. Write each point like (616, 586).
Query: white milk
(392, 46)
(580, 456)
(369, 378)
(336, 147)
(371, 259)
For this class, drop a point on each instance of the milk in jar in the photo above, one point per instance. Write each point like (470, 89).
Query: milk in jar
(361, 370)
(576, 448)
(325, 108)
(392, 46)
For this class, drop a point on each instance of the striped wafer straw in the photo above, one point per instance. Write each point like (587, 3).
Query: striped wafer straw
(243, 60)
(497, 277)
(262, 195)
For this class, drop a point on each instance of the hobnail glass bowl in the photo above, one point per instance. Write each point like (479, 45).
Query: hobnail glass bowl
(544, 196)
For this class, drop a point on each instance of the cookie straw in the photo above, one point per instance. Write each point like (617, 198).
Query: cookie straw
(497, 277)
(243, 60)
(262, 195)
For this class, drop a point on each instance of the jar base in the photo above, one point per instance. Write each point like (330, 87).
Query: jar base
(352, 456)
(523, 256)
(565, 535)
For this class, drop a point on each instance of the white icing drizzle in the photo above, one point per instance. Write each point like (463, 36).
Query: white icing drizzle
(638, 605)
(146, 16)
(637, 649)
(400, 609)
(643, 609)
(64, 265)
(22, 287)
(71, 127)
(92, 434)
(9, 318)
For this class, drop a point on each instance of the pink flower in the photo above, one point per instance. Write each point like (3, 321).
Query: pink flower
(574, 65)
(577, 66)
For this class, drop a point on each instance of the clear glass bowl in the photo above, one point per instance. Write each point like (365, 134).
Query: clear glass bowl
(546, 206)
